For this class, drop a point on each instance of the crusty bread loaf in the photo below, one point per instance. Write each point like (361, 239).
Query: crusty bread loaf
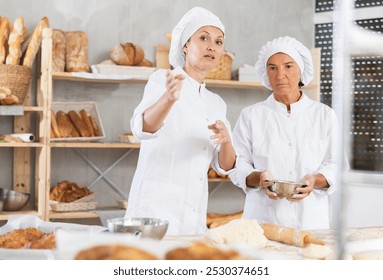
(76, 57)
(58, 50)
(4, 34)
(127, 54)
(79, 123)
(14, 42)
(146, 63)
(35, 43)
(86, 119)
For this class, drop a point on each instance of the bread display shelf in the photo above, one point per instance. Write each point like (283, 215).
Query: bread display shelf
(91, 110)
(88, 77)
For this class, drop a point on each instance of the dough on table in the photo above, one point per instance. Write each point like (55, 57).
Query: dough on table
(238, 231)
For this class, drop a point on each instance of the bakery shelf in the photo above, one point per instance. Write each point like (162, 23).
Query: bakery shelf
(79, 214)
(219, 180)
(92, 145)
(88, 77)
(21, 145)
(5, 215)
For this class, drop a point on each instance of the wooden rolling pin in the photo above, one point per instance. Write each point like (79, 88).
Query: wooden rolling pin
(289, 235)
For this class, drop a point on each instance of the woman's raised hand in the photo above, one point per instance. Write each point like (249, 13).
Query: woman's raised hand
(173, 85)
(221, 135)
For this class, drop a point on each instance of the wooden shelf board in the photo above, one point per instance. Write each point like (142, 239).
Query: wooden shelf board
(33, 109)
(5, 215)
(21, 145)
(86, 77)
(219, 180)
(234, 84)
(79, 214)
(101, 145)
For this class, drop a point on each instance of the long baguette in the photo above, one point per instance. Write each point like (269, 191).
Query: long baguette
(35, 43)
(14, 42)
(4, 34)
(85, 118)
(78, 123)
(55, 127)
(289, 235)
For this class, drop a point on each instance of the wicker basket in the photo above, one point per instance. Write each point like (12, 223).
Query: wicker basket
(17, 78)
(223, 70)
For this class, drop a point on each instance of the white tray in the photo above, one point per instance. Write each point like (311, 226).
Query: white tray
(90, 107)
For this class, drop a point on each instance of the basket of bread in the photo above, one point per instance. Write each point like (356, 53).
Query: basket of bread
(68, 197)
(76, 121)
(18, 50)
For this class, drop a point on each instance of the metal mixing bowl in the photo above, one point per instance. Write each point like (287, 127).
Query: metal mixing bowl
(141, 227)
(12, 200)
(285, 188)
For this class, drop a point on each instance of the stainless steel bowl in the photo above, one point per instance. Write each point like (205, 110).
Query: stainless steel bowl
(285, 188)
(12, 200)
(141, 227)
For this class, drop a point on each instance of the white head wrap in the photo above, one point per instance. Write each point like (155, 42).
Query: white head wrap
(185, 28)
(290, 46)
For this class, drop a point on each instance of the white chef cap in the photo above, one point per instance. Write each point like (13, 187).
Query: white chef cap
(293, 48)
(185, 28)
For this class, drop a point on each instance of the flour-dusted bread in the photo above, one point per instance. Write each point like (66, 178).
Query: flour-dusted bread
(76, 57)
(14, 42)
(238, 231)
(58, 50)
(35, 42)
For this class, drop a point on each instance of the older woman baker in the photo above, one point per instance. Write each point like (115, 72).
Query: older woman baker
(183, 130)
(286, 137)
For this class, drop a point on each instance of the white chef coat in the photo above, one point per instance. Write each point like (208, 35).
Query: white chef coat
(171, 177)
(289, 146)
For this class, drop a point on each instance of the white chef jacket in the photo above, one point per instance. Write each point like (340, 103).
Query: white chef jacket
(171, 181)
(289, 146)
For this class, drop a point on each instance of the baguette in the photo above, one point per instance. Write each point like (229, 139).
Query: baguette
(14, 42)
(35, 43)
(4, 34)
(64, 124)
(96, 130)
(87, 122)
(55, 127)
(74, 131)
(79, 124)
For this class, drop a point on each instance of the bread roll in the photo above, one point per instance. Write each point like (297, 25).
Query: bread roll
(14, 42)
(35, 43)
(4, 34)
(86, 119)
(79, 124)
(58, 50)
(9, 100)
(76, 57)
